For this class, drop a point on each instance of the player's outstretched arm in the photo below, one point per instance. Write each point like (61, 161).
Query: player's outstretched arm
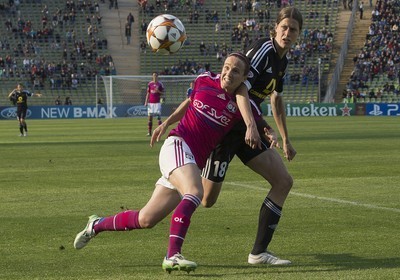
(176, 116)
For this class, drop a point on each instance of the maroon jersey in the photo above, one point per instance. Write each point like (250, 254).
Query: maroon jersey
(155, 89)
(211, 114)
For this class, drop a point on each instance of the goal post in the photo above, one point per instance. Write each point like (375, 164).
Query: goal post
(131, 91)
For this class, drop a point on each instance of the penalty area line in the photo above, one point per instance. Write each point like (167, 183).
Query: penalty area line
(335, 200)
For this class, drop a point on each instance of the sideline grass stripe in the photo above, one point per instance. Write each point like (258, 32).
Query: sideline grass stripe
(371, 206)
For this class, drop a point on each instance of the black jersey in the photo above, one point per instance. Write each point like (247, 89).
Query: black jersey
(267, 70)
(21, 97)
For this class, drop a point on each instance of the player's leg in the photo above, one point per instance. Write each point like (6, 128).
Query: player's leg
(159, 119)
(270, 166)
(19, 118)
(159, 113)
(183, 173)
(187, 180)
(21, 127)
(150, 125)
(150, 114)
(161, 203)
(23, 122)
(216, 167)
(211, 192)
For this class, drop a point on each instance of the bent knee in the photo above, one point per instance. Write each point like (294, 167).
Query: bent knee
(283, 183)
(286, 183)
(208, 203)
(147, 222)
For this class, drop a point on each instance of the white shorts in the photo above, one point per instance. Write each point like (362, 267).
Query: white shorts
(154, 109)
(174, 153)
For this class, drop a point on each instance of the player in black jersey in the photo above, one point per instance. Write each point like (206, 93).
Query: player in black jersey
(268, 67)
(19, 96)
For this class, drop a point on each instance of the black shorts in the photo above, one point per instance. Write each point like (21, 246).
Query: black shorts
(232, 144)
(21, 112)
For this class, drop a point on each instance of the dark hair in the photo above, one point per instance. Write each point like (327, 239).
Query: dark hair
(243, 58)
(288, 12)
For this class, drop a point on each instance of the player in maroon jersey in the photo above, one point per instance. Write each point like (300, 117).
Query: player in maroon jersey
(155, 89)
(210, 112)
(268, 67)
(19, 96)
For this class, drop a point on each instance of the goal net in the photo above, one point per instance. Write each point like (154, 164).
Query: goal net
(131, 91)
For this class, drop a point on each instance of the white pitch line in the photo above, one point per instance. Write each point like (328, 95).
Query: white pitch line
(370, 206)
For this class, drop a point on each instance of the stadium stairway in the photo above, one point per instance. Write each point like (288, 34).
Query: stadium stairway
(126, 57)
(360, 31)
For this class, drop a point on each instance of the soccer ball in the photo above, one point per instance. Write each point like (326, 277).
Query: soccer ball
(165, 34)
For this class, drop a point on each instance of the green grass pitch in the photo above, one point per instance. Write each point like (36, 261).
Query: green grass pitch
(341, 220)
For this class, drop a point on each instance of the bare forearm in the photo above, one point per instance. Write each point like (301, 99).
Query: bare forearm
(242, 99)
(278, 110)
(252, 137)
(178, 114)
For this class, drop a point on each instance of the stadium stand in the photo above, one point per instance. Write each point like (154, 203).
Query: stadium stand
(376, 74)
(55, 47)
(59, 47)
(214, 30)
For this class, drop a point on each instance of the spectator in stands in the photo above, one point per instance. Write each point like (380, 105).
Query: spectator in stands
(189, 90)
(234, 6)
(143, 46)
(202, 48)
(143, 27)
(128, 32)
(68, 101)
(361, 9)
(57, 101)
(130, 19)
(9, 25)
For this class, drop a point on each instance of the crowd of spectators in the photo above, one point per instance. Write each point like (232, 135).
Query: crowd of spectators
(378, 63)
(256, 23)
(57, 48)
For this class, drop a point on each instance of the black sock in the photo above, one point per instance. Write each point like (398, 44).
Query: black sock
(270, 214)
(26, 127)
(21, 128)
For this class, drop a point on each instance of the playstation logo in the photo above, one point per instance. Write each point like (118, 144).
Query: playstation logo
(376, 111)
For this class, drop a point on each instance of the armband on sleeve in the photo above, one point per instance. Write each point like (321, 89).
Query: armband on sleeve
(247, 84)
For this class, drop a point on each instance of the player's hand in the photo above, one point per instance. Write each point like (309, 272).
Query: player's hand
(288, 151)
(252, 137)
(157, 133)
(39, 94)
(271, 136)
